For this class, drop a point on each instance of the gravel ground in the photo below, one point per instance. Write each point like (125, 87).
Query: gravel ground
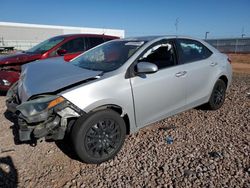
(210, 149)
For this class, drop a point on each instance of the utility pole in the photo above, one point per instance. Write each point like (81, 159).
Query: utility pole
(176, 25)
(206, 34)
(243, 32)
(1, 41)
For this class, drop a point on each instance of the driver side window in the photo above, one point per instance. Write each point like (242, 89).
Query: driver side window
(161, 54)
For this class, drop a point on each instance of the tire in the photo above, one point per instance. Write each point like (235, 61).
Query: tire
(99, 137)
(217, 97)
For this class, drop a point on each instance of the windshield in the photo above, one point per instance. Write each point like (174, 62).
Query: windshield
(108, 56)
(45, 45)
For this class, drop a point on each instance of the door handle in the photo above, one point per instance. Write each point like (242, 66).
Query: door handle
(213, 64)
(179, 74)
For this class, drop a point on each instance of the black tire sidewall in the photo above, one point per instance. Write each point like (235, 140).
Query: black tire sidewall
(211, 104)
(83, 124)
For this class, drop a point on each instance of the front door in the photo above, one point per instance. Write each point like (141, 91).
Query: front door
(162, 93)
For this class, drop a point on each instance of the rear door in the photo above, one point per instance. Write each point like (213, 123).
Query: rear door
(195, 59)
(162, 93)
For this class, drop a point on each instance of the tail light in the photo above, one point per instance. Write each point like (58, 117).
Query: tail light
(229, 60)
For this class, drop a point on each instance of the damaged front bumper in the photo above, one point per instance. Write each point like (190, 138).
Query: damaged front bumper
(50, 124)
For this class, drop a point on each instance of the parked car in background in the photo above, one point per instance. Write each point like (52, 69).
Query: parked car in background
(115, 89)
(68, 46)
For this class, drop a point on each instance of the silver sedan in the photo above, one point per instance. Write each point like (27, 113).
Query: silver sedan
(115, 89)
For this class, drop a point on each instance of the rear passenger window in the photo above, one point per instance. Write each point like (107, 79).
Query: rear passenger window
(191, 50)
(94, 41)
(74, 45)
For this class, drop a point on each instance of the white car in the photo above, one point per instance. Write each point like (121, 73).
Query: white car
(115, 89)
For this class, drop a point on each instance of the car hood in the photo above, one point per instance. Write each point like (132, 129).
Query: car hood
(18, 57)
(51, 75)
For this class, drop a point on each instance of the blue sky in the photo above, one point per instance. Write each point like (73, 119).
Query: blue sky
(222, 18)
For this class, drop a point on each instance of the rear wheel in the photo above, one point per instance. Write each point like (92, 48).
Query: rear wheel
(99, 137)
(217, 97)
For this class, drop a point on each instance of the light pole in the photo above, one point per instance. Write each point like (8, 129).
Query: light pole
(242, 32)
(206, 34)
(176, 25)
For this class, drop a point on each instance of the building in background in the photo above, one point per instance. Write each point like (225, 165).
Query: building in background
(23, 36)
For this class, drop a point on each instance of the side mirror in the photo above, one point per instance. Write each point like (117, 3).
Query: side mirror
(146, 67)
(61, 52)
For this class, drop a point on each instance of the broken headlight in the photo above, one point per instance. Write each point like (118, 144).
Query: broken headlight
(40, 105)
(12, 90)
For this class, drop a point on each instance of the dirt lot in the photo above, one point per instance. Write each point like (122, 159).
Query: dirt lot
(240, 63)
(210, 149)
(240, 58)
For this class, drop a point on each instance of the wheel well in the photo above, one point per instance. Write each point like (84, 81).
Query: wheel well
(120, 111)
(224, 79)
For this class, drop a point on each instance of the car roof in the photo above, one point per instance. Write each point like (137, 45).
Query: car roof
(154, 37)
(160, 37)
(86, 35)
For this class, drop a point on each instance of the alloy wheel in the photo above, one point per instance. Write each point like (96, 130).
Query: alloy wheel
(102, 138)
(219, 95)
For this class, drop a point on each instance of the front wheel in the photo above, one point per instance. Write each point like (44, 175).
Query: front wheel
(217, 97)
(99, 137)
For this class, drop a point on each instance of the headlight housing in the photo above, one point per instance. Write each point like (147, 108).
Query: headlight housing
(5, 82)
(40, 105)
(12, 90)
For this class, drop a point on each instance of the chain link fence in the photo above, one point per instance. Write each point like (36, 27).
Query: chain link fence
(19, 44)
(237, 45)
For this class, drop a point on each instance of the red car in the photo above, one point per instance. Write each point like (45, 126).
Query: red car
(68, 46)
